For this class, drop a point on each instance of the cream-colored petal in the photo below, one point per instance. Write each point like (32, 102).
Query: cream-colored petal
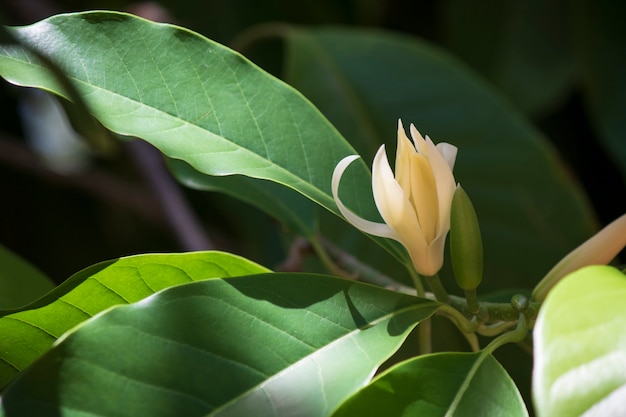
(445, 184)
(373, 228)
(393, 204)
(418, 139)
(434, 255)
(424, 196)
(396, 210)
(600, 249)
(404, 152)
(448, 152)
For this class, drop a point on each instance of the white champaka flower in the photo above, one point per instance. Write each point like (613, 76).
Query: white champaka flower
(415, 203)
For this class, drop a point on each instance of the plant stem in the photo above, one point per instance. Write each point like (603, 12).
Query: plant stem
(493, 312)
(437, 288)
(425, 335)
(417, 282)
(472, 301)
(513, 336)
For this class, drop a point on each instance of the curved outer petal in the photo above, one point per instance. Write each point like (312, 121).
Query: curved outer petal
(373, 228)
(600, 249)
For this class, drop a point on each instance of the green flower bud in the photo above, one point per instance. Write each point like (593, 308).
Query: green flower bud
(466, 246)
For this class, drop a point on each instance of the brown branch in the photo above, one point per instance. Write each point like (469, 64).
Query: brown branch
(180, 216)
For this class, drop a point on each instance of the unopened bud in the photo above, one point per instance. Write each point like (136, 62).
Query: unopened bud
(466, 246)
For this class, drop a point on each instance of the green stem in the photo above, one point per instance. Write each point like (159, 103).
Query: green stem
(494, 312)
(437, 288)
(417, 282)
(513, 336)
(425, 342)
(495, 329)
(472, 301)
(462, 322)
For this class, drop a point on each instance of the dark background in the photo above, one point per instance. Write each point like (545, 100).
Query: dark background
(62, 223)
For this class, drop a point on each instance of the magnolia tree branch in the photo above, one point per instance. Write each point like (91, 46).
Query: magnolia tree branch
(491, 318)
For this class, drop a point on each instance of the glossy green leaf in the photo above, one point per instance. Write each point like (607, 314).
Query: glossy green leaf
(523, 48)
(443, 384)
(192, 98)
(282, 203)
(580, 346)
(526, 201)
(601, 35)
(261, 345)
(27, 334)
(20, 282)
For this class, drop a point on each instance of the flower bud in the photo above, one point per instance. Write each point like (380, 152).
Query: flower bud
(466, 246)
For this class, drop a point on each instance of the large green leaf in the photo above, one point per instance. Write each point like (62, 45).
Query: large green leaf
(192, 98)
(20, 282)
(580, 346)
(27, 334)
(450, 384)
(529, 60)
(601, 35)
(262, 345)
(526, 201)
(282, 203)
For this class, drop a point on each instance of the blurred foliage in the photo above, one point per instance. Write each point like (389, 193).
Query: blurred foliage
(552, 60)
(560, 64)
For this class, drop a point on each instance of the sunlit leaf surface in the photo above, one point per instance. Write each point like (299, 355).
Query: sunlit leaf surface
(262, 345)
(580, 346)
(27, 334)
(445, 384)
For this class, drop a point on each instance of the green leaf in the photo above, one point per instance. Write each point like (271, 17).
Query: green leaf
(450, 384)
(192, 98)
(20, 282)
(282, 203)
(196, 101)
(526, 201)
(601, 35)
(27, 334)
(530, 59)
(262, 345)
(580, 345)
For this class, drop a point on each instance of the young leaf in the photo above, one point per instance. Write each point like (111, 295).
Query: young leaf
(580, 346)
(262, 345)
(450, 384)
(29, 332)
